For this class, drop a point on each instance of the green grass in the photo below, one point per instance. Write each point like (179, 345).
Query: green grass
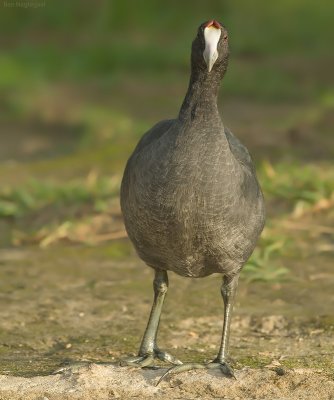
(18, 201)
(265, 264)
(294, 184)
(298, 185)
(299, 188)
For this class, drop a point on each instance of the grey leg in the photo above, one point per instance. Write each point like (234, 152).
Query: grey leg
(160, 287)
(228, 291)
(149, 350)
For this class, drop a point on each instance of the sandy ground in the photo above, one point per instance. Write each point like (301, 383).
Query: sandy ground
(113, 382)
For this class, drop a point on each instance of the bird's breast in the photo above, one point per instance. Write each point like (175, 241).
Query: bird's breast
(185, 207)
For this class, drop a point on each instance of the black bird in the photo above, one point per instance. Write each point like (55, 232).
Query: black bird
(190, 197)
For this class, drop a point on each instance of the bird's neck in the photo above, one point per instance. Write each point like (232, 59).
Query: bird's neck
(201, 98)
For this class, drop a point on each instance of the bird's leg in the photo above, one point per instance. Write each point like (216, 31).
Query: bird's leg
(228, 291)
(149, 350)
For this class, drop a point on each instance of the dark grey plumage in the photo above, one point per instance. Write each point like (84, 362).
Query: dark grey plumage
(190, 197)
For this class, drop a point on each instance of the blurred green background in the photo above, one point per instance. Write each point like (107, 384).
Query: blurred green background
(80, 82)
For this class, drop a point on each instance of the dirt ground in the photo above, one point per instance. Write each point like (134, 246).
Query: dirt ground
(55, 313)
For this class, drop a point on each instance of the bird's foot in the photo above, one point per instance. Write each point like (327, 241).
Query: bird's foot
(146, 360)
(223, 366)
(72, 368)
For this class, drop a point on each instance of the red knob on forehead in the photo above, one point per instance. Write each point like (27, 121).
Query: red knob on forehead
(213, 23)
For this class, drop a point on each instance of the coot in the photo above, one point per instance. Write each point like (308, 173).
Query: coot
(190, 197)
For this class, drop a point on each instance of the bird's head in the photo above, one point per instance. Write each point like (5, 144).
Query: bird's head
(210, 48)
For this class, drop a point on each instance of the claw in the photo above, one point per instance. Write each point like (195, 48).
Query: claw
(140, 361)
(227, 371)
(180, 368)
(163, 356)
(130, 361)
(146, 361)
(61, 370)
(224, 367)
(71, 368)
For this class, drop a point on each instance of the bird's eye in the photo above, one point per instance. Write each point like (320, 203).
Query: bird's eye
(225, 37)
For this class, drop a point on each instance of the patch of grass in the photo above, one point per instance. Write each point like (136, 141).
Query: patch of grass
(302, 187)
(262, 266)
(305, 190)
(299, 185)
(252, 362)
(17, 201)
(325, 362)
